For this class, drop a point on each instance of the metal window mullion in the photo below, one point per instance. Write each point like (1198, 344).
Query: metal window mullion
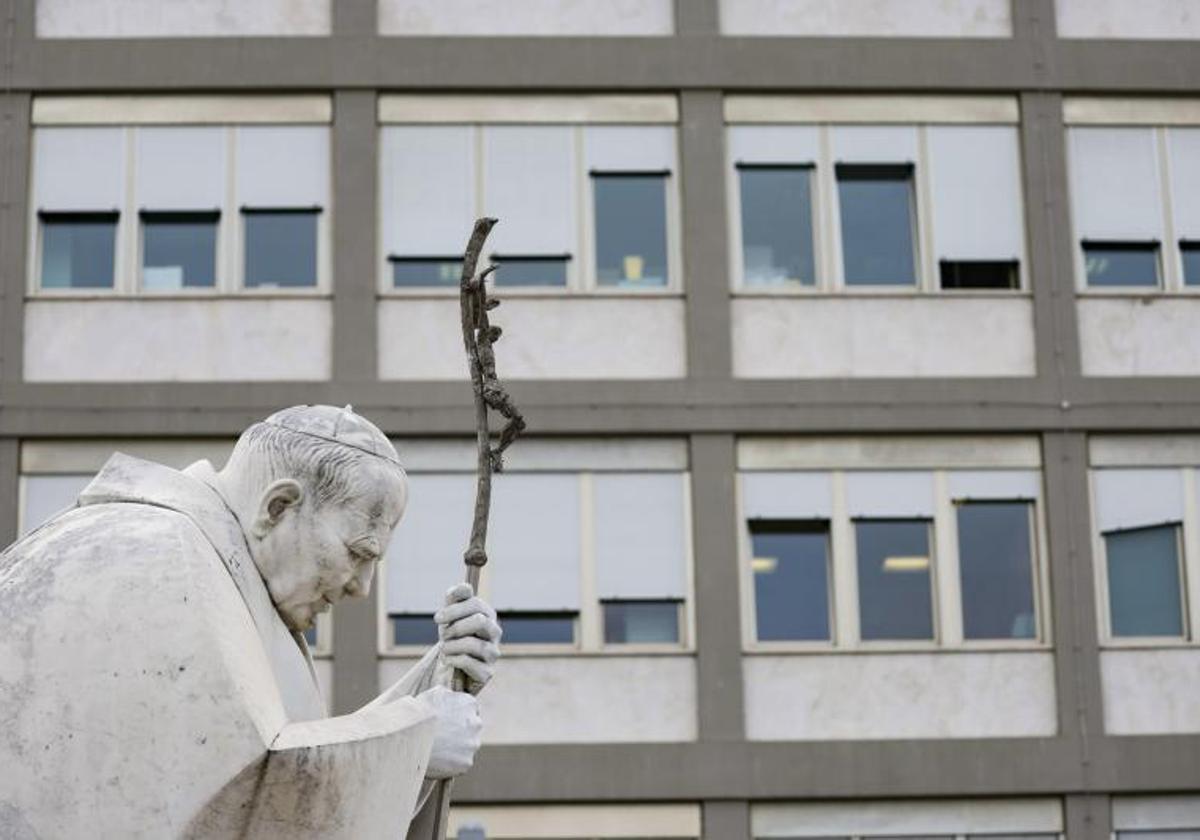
(688, 623)
(845, 572)
(947, 582)
(127, 259)
(926, 265)
(1040, 546)
(585, 280)
(1189, 585)
(591, 636)
(1169, 252)
(233, 281)
(1100, 552)
(832, 270)
(737, 245)
(745, 556)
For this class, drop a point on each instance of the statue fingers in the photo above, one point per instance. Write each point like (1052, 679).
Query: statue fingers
(459, 592)
(461, 609)
(478, 625)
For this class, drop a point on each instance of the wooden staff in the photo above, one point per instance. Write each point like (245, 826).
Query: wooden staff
(479, 336)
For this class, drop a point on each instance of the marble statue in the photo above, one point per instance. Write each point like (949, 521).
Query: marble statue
(154, 677)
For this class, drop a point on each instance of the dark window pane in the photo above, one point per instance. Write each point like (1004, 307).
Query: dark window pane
(179, 250)
(531, 271)
(1121, 264)
(1162, 834)
(894, 600)
(538, 628)
(631, 229)
(1191, 262)
(414, 629)
(281, 248)
(791, 580)
(978, 274)
(78, 250)
(996, 569)
(641, 622)
(777, 242)
(1143, 581)
(310, 636)
(418, 272)
(877, 225)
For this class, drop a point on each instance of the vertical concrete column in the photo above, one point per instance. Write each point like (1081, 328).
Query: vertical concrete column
(723, 820)
(718, 636)
(705, 243)
(1072, 597)
(15, 142)
(10, 469)
(354, 17)
(697, 17)
(355, 665)
(1088, 817)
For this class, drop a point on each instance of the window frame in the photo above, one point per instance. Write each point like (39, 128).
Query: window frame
(945, 577)
(36, 253)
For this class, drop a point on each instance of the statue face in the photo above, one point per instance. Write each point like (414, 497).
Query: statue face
(313, 556)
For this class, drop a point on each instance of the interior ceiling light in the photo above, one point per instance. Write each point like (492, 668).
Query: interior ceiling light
(905, 564)
(764, 565)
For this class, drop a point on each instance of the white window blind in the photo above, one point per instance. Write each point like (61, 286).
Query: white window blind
(79, 168)
(639, 531)
(618, 148)
(424, 558)
(1137, 498)
(179, 168)
(873, 144)
(534, 540)
(428, 189)
(773, 144)
(994, 484)
(975, 183)
(46, 495)
(890, 494)
(1115, 184)
(529, 182)
(1184, 148)
(283, 166)
(786, 495)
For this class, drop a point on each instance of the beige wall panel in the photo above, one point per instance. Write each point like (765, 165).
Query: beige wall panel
(177, 340)
(577, 699)
(894, 18)
(899, 695)
(180, 18)
(1140, 336)
(544, 338)
(1150, 692)
(526, 17)
(1128, 19)
(851, 336)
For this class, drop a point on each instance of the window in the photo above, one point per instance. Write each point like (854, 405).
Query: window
(995, 562)
(546, 271)
(631, 228)
(548, 628)
(179, 250)
(417, 272)
(790, 565)
(777, 241)
(414, 629)
(978, 274)
(1190, 252)
(876, 206)
(1161, 834)
(281, 247)
(641, 622)
(1143, 581)
(894, 600)
(1121, 264)
(78, 250)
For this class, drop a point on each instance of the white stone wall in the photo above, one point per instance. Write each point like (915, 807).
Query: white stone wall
(1140, 336)
(181, 18)
(526, 17)
(1150, 692)
(1134, 19)
(576, 699)
(151, 340)
(899, 695)
(855, 336)
(882, 18)
(544, 338)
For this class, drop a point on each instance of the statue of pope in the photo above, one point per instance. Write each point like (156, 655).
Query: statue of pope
(154, 678)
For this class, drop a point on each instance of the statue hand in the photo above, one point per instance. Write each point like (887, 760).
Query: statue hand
(456, 736)
(470, 635)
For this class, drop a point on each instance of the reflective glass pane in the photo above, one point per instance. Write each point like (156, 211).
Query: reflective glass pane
(1162, 834)
(310, 636)
(877, 227)
(78, 250)
(420, 272)
(1120, 264)
(978, 274)
(281, 248)
(538, 628)
(414, 629)
(641, 622)
(777, 242)
(894, 600)
(995, 559)
(179, 251)
(1191, 262)
(1143, 581)
(631, 229)
(791, 580)
(530, 271)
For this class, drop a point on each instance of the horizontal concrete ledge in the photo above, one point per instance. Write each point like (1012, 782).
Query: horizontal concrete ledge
(647, 63)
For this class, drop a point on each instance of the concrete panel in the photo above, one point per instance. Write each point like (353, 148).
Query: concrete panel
(575, 699)
(1150, 692)
(1133, 19)
(189, 18)
(176, 340)
(526, 17)
(825, 337)
(1140, 336)
(893, 695)
(544, 338)
(882, 18)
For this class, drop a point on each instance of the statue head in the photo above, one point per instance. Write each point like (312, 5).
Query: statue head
(318, 491)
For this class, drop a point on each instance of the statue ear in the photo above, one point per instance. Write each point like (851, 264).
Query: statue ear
(276, 499)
